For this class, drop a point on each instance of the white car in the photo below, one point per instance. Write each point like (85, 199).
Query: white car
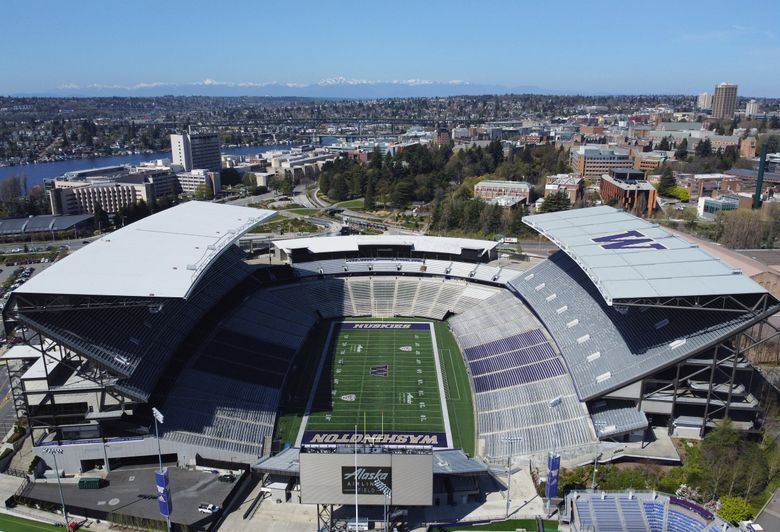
(208, 508)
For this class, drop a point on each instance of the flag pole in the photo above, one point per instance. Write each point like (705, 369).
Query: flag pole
(356, 479)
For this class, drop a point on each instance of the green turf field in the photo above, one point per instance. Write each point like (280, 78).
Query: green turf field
(10, 523)
(455, 378)
(380, 380)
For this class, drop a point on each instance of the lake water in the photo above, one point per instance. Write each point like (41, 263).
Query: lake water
(36, 173)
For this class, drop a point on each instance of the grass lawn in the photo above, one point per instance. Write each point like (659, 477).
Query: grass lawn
(304, 211)
(11, 523)
(355, 204)
(283, 225)
(379, 379)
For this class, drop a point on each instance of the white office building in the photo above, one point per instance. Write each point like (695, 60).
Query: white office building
(752, 108)
(196, 151)
(704, 101)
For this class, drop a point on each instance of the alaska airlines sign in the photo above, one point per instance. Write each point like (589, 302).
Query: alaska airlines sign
(628, 240)
(363, 479)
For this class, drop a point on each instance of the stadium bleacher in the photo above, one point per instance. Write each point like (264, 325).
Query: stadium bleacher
(250, 354)
(521, 385)
(638, 511)
(606, 347)
(136, 341)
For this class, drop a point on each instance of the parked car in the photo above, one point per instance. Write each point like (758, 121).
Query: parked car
(208, 508)
(230, 477)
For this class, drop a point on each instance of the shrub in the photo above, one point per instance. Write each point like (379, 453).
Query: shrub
(734, 509)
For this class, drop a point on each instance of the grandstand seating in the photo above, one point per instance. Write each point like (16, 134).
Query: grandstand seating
(251, 352)
(639, 512)
(606, 347)
(136, 341)
(479, 272)
(521, 384)
(213, 411)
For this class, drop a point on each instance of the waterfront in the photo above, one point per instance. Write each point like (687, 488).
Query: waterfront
(36, 173)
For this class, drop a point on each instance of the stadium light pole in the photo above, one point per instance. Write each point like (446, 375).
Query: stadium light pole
(54, 451)
(595, 465)
(511, 441)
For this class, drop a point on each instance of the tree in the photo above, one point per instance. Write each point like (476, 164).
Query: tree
(667, 181)
(664, 145)
(369, 202)
(719, 452)
(101, 217)
(558, 201)
(681, 153)
(229, 177)
(734, 509)
(773, 143)
(202, 192)
(743, 229)
(704, 148)
(249, 180)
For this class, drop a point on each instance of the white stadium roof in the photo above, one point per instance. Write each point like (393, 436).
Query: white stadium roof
(339, 244)
(630, 258)
(162, 255)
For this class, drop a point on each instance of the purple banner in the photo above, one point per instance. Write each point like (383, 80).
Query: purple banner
(383, 325)
(337, 437)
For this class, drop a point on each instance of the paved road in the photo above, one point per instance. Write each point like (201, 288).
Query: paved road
(133, 492)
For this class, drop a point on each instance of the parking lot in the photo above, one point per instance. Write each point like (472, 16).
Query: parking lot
(131, 491)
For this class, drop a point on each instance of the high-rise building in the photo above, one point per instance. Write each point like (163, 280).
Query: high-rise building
(752, 108)
(704, 101)
(196, 151)
(724, 103)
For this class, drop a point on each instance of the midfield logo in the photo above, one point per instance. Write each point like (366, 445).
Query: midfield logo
(628, 240)
(380, 371)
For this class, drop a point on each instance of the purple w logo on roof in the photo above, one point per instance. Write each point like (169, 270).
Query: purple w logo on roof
(628, 240)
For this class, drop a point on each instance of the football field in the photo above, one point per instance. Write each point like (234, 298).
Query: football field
(384, 378)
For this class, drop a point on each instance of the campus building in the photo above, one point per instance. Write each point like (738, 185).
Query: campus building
(491, 189)
(196, 151)
(591, 162)
(724, 102)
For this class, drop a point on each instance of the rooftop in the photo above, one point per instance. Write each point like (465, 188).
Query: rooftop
(630, 258)
(162, 255)
(500, 183)
(42, 223)
(336, 244)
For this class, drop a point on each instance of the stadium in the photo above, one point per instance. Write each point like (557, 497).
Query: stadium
(431, 358)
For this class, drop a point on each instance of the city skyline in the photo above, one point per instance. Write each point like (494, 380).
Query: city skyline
(368, 50)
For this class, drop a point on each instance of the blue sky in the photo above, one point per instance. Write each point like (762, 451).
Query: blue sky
(574, 47)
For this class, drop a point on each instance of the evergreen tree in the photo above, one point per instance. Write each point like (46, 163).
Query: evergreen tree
(101, 218)
(370, 200)
(558, 201)
(664, 144)
(681, 153)
(667, 181)
(704, 148)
